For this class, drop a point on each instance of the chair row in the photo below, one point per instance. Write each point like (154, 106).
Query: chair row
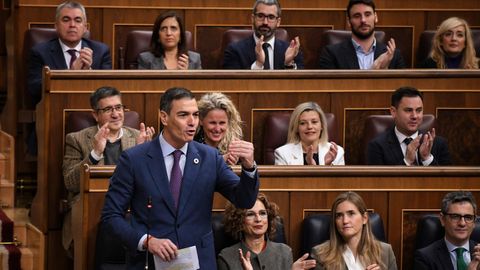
(138, 41)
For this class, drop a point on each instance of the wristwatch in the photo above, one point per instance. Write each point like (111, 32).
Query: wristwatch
(292, 66)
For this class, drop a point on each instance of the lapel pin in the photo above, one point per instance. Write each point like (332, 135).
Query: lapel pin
(196, 160)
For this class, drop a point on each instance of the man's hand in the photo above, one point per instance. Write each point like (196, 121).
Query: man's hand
(182, 62)
(245, 260)
(244, 151)
(331, 154)
(427, 144)
(230, 159)
(475, 262)
(84, 60)
(292, 51)
(302, 263)
(383, 61)
(259, 53)
(163, 248)
(146, 134)
(100, 139)
(309, 158)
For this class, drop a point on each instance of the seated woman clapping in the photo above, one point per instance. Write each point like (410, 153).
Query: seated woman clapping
(352, 244)
(307, 142)
(168, 46)
(452, 46)
(254, 228)
(220, 124)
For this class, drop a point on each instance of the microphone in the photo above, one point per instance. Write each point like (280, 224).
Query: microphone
(149, 206)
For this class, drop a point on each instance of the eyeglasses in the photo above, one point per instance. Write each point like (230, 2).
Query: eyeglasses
(458, 217)
(250, 215)
(110, 109)
(261, 17)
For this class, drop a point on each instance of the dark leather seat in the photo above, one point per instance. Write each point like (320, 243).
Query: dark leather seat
(337, 36)
(430, 229)
(235, 35)
(138, 41)
(316, 230)
(377, 124)
(276, 133)
(426, 41)
(224, 240)
(78, 120)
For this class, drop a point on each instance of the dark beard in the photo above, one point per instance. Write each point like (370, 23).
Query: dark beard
(266, 34)
(363, 36)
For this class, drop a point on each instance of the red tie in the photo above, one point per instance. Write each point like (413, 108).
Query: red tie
(176, 177)
(73, 54)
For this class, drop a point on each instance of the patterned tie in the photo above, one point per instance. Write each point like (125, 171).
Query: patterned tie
(266, 64)
(461, 264)
(176, 177)
(73, 54)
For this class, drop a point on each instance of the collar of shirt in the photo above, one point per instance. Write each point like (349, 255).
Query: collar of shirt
(453, 254)
(365, 59)
(271, 41)
(167, 148)
(120, 134)
(65, 49)
(351, 262)
(402, 136)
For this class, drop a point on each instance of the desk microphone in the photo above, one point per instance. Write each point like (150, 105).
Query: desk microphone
(149, 206)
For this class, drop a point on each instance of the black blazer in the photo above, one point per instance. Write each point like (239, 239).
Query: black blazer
(50, 54)
(241, 54)
(343, 56)
(435, 256)
(385, 150)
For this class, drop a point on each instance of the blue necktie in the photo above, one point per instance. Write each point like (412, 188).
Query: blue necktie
(176, 177)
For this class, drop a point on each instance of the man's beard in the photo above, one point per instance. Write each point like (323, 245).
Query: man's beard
(264, 31)
(361, 35)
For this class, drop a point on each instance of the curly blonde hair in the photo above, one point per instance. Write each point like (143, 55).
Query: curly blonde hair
(234, 218)
(469, 60)
(212, 101)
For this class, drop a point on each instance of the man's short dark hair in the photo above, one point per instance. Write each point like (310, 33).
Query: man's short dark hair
(172, 94)
(458, 197)
(268, 3)
(101, 93)
(351, 3)
(405, 91)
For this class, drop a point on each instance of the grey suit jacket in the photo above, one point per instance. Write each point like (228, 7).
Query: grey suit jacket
(387, 257)
(146, 60)
(276, 256)
(78, 146)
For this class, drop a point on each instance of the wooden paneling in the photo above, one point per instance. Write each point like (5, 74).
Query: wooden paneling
(399, 197)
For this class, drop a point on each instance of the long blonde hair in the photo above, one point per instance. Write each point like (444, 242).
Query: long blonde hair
(330, 253)
(469, 59)
(220, 101)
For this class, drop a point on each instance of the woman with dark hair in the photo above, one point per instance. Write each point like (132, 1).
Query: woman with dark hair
(352, 244)
(168, 46)
(254, 228)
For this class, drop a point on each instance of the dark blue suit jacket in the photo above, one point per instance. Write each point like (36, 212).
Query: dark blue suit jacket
(385, 150)
(241, 55)
(343, 56)
(50, 54)
(141, 174)
(435, 256)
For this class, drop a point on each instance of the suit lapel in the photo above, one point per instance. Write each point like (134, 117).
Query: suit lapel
(349, 55)
(297, 154)
(190, 173)
(394, 146)
(250, 49)
(128, 140)
(57, 56)
(156, 165)
(278, 58)
(444, 255)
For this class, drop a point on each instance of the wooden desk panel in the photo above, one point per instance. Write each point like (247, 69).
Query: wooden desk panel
(399, 196)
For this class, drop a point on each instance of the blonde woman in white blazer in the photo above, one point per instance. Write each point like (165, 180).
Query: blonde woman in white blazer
(307, 142)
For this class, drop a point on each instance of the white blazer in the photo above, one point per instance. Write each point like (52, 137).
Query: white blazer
(292, 154)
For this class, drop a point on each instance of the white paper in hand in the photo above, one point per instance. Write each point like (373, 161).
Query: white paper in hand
(187, 259)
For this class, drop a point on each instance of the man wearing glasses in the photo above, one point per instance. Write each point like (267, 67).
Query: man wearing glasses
(262, 50)
(456, 251)
(98, 145)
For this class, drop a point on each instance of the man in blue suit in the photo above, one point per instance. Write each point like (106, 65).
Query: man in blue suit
(163, 218)
(71, 25)
(252, 52)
